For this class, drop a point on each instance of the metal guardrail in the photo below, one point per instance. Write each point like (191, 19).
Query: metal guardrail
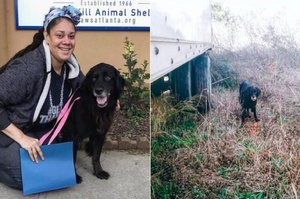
(168, 54)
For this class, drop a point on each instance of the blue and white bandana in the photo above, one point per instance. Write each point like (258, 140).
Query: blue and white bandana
(67, 11)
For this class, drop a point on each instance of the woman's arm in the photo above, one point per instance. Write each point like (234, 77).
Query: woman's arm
(28, 143)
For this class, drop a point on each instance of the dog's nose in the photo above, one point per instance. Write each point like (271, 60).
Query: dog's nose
(253, 98)
(99, 91)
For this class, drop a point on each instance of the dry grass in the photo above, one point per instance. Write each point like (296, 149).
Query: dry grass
(263, 157)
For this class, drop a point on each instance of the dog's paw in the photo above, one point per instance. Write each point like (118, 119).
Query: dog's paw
(102, 175)
(78, 179)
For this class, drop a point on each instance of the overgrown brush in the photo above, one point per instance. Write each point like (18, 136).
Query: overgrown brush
(219, 157)
(224, 159)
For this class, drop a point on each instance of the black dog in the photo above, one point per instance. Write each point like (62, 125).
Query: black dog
(248, 99)
(92, 115)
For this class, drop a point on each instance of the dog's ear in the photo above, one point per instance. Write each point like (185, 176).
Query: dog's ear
(257, 91)
(86, 84)
(120, 83)
(245, 92)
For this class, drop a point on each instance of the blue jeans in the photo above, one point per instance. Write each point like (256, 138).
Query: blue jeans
(10, 165)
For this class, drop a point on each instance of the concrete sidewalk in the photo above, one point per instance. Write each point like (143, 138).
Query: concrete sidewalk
(130, 179)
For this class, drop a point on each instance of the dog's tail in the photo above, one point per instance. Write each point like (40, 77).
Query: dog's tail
(243, 85)
(245, 82)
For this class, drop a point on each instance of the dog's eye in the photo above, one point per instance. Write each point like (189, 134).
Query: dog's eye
(95, 77)
(107, 78)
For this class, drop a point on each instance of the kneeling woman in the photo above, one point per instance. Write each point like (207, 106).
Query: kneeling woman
(35, 85)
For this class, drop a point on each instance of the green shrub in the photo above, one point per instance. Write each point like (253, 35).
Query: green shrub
(135, 101)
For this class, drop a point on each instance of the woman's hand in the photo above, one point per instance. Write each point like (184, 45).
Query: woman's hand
(28, 143)
(32, 146)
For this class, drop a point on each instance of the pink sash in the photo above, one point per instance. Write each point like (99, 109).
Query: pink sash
(61, 120)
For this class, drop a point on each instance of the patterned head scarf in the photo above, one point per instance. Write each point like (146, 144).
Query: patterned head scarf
(66, 11)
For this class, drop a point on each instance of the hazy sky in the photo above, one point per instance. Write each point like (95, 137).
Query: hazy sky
(270, 6)
(180, 19)
(285, 10)
(187, 19)
(284, 15)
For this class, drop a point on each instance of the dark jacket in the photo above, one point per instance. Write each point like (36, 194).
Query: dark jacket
(24, 86)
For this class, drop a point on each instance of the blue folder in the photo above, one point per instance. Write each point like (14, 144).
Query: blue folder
(56, 171)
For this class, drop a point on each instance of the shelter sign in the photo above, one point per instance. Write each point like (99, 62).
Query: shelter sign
(96, 14)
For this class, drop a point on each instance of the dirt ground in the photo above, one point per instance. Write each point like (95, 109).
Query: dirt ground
(123, 127)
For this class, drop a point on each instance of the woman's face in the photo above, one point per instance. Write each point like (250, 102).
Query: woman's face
(61, 41)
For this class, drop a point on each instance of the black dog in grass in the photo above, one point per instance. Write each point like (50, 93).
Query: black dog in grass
(248, 99)
(92, 115)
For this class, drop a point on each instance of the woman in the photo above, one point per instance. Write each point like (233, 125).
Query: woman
(35, 84)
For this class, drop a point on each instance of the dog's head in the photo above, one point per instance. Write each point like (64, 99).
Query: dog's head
(248, 92)
(104, 83)
(254, 92)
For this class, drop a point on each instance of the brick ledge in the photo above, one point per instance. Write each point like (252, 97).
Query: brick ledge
(125, 143)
